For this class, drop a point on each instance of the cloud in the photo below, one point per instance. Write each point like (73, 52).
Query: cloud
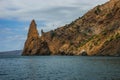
(48, 10)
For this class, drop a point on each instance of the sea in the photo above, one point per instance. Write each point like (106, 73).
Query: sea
(59, 68)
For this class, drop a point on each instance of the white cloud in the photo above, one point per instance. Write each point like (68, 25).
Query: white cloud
(50, 11)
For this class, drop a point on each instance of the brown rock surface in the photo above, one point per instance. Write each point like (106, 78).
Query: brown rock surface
(95, 33)
(34, 45)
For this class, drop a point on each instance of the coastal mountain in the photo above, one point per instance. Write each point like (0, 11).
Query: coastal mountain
(95, 33)
(11, 53)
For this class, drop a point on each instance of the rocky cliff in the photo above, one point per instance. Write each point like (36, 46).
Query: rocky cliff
(95, 33)
(34, 45)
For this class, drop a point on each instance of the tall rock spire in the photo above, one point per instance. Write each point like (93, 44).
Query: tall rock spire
(31, 44)
(33, 32)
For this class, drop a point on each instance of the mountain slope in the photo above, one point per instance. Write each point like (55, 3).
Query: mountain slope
(95, 33)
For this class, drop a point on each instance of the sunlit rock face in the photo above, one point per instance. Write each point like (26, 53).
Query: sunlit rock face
(97, 33)
(34, 45)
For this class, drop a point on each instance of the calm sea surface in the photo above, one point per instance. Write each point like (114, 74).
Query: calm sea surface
(59, 68)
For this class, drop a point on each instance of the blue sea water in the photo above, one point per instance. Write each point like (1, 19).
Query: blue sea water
(59, 68)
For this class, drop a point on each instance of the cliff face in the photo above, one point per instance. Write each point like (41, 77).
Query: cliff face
(34, 45)
(95, 33)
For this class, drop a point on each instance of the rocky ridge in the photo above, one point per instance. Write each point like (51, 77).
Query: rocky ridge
(95, 33)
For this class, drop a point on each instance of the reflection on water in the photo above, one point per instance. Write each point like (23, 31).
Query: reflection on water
(59, 68)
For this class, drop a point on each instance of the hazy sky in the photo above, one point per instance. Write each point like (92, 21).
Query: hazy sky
(16, 15)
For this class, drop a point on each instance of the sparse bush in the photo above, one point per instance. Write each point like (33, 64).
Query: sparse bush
(109, 15)
(117, 36)
(63, 42)
(83, 43)
(72, 23)
(66, 25)
(97, 11)
(91, 46)
(52, 33)
(110, 39)
(95, 43)
(42, 32)
(104, 32)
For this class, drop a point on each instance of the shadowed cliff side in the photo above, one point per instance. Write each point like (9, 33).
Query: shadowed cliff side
(95, 33)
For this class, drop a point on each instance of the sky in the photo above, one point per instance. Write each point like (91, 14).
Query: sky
(16, 15)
